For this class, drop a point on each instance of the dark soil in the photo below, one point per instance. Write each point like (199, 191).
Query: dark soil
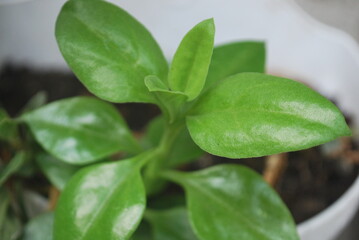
(311, 182)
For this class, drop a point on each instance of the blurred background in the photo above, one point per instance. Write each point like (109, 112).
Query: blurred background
(313, 41)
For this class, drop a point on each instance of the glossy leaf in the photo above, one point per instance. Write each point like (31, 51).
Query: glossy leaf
(12, 167)
(233, 58)
(58, 172)
(109, 203)
(40, 228)
(233, 202)
(8, 128)
(252, 114)
(80, 130)
(170, 101)
(108, 50)
(191, 61)
(184, 149)
(172, 224)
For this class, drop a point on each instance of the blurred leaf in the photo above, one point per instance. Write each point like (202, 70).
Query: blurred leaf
(108, 50)
(14, 165)
(172, 224)
(234, 202)
(191, 61)
(80, 130)
(253, 114)
(58, 172)
(143, 232)
(36, 101)
(236, 57)
(8, 128)
(40, 228)
(10, 226)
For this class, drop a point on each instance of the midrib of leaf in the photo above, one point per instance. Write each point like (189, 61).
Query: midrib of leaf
(100, 35)
(79, 130)
(192, 65)
(231, 112)
(249, 223)
(122, 181)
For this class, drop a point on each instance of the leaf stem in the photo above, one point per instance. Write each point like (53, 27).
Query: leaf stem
(161, 152)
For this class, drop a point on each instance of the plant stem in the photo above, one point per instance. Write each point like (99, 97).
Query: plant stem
(160, 157)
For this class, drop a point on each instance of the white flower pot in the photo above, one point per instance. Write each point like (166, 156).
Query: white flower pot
(297, 45)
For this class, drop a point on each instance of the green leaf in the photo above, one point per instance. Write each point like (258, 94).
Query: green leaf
(172, 224)
(40, 228)
(233, 202)
(252, 114)
(170, 101)
(233, 58)
(184, 149)
(58, 172)
(109, 203)
(12, 167)
(108, 50)
(80, 130)
(8, 128)
(191, 61)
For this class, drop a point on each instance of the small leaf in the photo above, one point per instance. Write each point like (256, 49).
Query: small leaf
(233, 58)
(233, 202)
(184, 149)
(40, 228)
(36, 101)
(8, 128)
(252, 114)
(58, 172)
(12, 167)
(170, 101)
(109, 203)
(172, 224)
(108, 50)
(80, 130)
(191, 61)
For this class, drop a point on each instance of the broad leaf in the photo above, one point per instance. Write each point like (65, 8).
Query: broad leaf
(40, 228)
(80, 130)
(252, 114)
(233, 202)
(109, 203)
(191, 61)
(170, 101)
(8, 128)
(58, 172)
(12, 167)
(233, 58)
(109, 51)
(172, 224)
(184, 149)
